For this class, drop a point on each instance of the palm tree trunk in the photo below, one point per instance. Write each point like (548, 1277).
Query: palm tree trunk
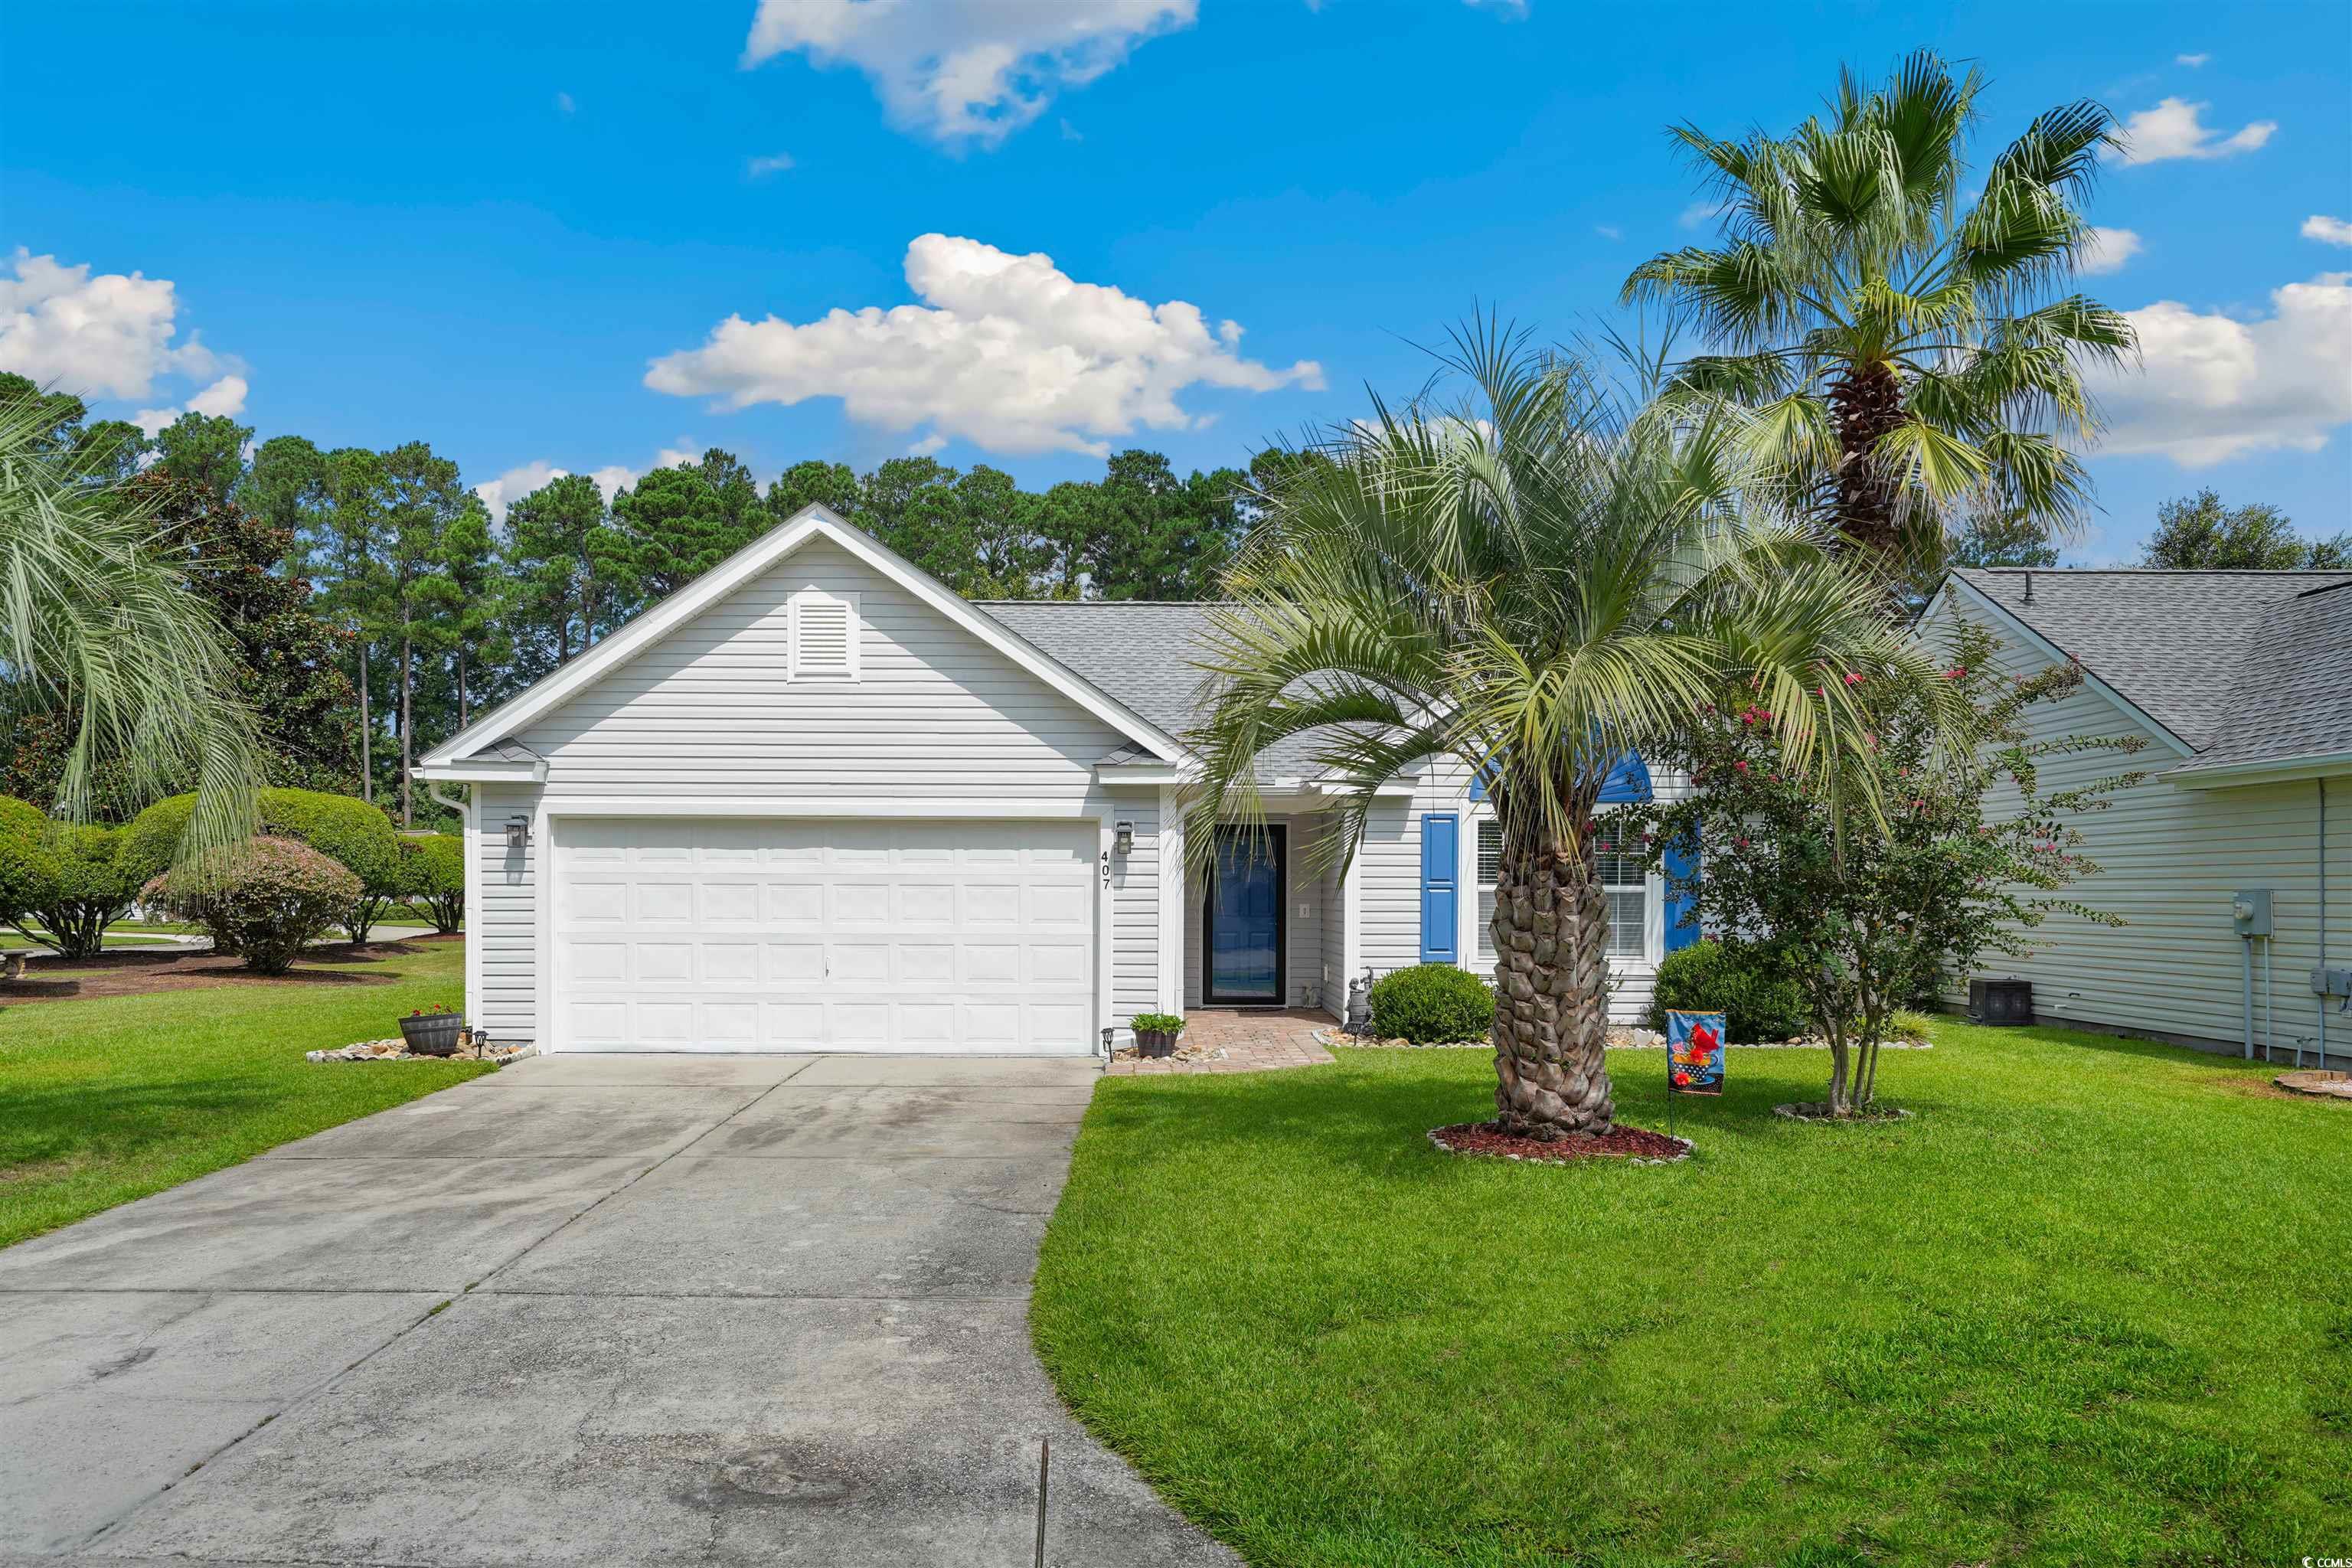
(1865, 405)
(1551, 1020)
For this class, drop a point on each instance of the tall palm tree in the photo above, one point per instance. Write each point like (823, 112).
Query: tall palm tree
(92, 619)
(1910, 351)
(1530, 586)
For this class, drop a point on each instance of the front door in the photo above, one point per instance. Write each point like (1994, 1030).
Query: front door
(1245, 928)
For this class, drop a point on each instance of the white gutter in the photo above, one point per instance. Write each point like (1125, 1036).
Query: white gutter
(2271, 769)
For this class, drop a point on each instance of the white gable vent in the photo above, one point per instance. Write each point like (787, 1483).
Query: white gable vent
(823, 631)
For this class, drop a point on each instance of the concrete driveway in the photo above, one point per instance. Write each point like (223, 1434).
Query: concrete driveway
(618, 1310)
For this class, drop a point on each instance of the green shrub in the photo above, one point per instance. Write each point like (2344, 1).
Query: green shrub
(1432, 1004)
(351, 833)
(1157, 1023)
(94, 887)
(1746, 982)
(432, 871)
(265, 898)
(29, 867)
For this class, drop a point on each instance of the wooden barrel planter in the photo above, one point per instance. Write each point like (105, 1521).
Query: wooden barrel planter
(431, 1034)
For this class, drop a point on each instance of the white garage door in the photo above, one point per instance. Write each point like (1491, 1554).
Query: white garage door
(703, 935)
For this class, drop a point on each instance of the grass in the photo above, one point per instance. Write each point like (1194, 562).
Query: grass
(110, 1099)
(2089, 1307)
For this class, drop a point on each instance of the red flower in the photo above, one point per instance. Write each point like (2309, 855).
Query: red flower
(1741, 765)
(1853, 680)
(1743, 843)
(1682, 1079)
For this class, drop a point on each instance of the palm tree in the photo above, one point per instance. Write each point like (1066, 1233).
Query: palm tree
(92, 620)
(1910, 353)
(1529, 586)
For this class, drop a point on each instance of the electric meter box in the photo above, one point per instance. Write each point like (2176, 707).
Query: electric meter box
(2251, 911)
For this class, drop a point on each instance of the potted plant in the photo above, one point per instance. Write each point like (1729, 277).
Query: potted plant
(1155, 1033)
(433, 1032)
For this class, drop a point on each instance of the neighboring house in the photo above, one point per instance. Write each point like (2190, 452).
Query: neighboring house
(2240, 683)
(816, 801)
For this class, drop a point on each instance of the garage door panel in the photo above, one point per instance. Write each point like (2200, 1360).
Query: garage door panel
(885, 936)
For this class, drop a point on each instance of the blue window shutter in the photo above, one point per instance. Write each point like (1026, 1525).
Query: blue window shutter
(1682, 865)
(1441, 887)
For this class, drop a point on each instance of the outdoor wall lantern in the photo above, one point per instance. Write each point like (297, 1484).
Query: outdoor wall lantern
(518, 832)
(1123, 838)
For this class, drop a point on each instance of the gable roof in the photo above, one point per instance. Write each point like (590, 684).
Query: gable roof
(493, 728)
(2247, 665)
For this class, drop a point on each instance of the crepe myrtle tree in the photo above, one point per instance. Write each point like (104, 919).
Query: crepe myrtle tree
(1874, 908)
(1528, 587)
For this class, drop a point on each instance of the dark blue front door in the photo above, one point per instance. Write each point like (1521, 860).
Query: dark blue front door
(1244, 923)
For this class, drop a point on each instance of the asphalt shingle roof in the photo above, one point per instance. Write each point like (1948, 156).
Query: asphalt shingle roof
(1140, 652)
(2250, 665)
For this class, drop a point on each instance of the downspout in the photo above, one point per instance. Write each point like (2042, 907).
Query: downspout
(2322, 782)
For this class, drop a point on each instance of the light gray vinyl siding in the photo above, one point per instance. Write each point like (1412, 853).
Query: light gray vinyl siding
(707, 711)
(2170, 859)
(505, 923)
(1332, 899)
(1135, 910)
(1389, 887)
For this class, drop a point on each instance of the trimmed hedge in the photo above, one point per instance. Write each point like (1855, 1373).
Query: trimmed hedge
(94, 887)
(351, 833)
(28, 865)
(1747, 982)
(432, 870)
(1432, 1004)
(266, 897)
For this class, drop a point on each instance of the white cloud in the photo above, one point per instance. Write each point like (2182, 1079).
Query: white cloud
(774, 164)
(1698, 214)
(107, 335)
(2192, 61)
(1512, 8)
(511, 487)
(2214, 388)
(961, 72)
(2108, 250)
(2174, 129)
(2327, 230)
(1607, 231)
(1007, 351)
(564, 103)
(222, 399)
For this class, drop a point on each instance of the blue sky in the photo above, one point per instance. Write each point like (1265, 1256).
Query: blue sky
(483, 224)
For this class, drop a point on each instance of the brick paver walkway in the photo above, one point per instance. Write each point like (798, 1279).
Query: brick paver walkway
(1229, 1041)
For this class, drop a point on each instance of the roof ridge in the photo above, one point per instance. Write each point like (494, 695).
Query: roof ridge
(1104, 603)
(2166, 570)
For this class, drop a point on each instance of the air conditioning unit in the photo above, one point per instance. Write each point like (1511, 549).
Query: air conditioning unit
(2001, 1003)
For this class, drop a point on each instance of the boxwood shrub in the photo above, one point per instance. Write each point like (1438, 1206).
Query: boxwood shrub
(1747, 982)
(1432, 1004)
(93, 888)
(433, 872)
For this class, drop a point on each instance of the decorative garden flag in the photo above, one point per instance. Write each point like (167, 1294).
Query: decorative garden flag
(1695, 1053)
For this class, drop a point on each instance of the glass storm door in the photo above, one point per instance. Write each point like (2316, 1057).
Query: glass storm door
(1244, 924)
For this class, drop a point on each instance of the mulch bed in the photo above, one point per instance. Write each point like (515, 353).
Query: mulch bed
(1636, 1144)
(141, 972)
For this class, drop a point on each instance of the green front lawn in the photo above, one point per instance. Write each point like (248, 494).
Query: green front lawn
(2090, 1307)
(110, 1099)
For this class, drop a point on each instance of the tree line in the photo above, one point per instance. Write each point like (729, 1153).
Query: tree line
(376, 605)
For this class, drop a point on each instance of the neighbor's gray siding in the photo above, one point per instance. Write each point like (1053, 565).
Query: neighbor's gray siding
(707, 714)
(2170, 859)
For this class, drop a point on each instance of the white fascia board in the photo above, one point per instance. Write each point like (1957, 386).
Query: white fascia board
(2274, 770)
(2052, 650)
(1389, 789)
(1125, 775)
(749, 562)
(485, 770)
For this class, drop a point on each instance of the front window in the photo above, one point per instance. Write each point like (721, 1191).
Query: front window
(1622, 877)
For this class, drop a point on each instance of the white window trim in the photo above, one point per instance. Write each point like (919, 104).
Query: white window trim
(1476, 955)
(793, 670)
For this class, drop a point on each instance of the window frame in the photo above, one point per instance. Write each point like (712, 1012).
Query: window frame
(1476, 939)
